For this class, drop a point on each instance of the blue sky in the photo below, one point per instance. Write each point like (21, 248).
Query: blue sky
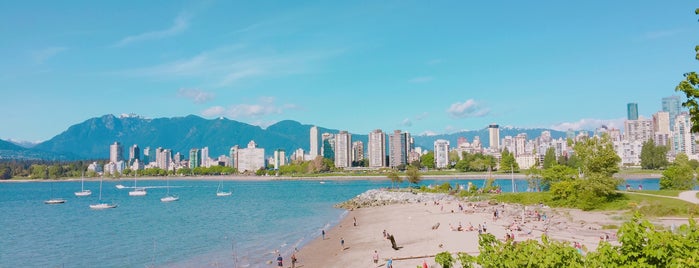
(423, 67)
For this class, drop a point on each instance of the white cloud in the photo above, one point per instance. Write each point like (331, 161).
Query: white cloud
(421, 116)
(589, 124)
(180, 24)
(421, 79)
(428, 133)
(266, 106)
(406, 122)
(469, 108)
(662, 34)
(226, 66)
(196, 95)
(42, 55)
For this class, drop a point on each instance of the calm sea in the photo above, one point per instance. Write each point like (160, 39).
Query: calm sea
(200, 230)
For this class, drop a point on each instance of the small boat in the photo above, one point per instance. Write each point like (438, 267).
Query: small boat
(168, 197)
(54, 201)
(101, 205)
(219, 192)
(136, 190)
(83, 192)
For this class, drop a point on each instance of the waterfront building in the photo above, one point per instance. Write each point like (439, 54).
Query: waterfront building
(250, 159)
(441, 153)
(494, 132)
(640, 129)
(632, 111)
(343, 149)
(313, 152)
(115, 152)
(147, 156)
(684, 141)
(520, 144)
(377, 149)
(194, 158)
(327, 150)
(232, 155)
(205, 157)
(134, 153)
(279, 158)
(357, 151)
(398, 150)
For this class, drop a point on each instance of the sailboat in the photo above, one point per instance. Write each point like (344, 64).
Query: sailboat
(54, 201)
(83, 192)
(219, 192)
(136, 190)
(101, 205)
(168, 197)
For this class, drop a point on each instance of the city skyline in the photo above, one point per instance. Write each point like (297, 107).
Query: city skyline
(422, 69)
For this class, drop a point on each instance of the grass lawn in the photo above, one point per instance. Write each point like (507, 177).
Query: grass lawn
(674, 193)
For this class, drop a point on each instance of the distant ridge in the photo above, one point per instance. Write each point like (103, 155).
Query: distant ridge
(91, 138)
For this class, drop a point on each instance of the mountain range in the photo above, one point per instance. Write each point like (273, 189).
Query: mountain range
(91, 138)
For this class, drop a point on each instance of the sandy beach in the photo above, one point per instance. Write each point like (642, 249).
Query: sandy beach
(412, 226)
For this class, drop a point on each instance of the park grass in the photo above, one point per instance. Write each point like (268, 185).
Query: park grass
(673, 193)
(651, 206)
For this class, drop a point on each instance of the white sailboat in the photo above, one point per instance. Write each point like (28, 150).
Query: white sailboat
(219, 192)
(101, 205)
(168, 197)
(83, 192)
(54, 201)
(136, 190)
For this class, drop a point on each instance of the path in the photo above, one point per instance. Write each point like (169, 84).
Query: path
(689, 196)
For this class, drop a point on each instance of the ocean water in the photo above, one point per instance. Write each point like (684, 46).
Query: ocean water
(200, 230)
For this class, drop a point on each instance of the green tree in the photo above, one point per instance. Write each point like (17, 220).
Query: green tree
(690, 87)
(550, 157)
(413, 175)
(5, 173)
(555, 174)
(427, 160)
(508, 162)
(653, 156)
(534, 178)
(597, 155)
(444, 259)
(679, 176)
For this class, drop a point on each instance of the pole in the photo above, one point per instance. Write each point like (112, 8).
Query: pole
(512, 176)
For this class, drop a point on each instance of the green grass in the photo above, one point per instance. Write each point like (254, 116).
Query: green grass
(674, 193)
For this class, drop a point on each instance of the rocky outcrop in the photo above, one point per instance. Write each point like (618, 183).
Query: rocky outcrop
(381, 197)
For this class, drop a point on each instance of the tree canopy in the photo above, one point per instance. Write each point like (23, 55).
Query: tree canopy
(653, 156)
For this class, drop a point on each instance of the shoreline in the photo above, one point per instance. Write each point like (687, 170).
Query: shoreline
(328, 178)
(412, 224)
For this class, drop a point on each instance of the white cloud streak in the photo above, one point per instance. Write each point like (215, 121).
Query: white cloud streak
(42, 55)
(265, 106)
(196, 95)
(469, 108)
(589, 124)
(179, 25)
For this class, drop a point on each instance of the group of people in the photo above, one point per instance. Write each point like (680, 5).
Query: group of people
(375, 259)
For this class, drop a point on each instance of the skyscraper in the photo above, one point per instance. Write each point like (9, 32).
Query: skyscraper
(398, 149)
(204, 157)
(672, 105)
(357, 151)
(134, 153)
(279, 158)
(115, 152)
(194, 158)
(377, 148)
(441, 153)
(494, 131)
(314, 142)
(632, 111)
(684, 141)
(328, 148)
(343, 149)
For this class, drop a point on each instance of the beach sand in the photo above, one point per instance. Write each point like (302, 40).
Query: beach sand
(411, 224)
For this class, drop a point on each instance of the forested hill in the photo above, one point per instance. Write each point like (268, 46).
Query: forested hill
(91, 138)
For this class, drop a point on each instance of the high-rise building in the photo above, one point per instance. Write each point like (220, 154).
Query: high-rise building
(661, 122)
(194, 158)
(398, 150)
(251, 158)
(116, 152)
(672, 105)
(204, 157)
(134, 153)
(684, 141)
(314, 142)
(494, 131)
(279, 158)
(147, 156)
(357, 151)
(377, 148)
(163, 158)
(343, 149)
(638, 130)
(233, 156)
(520, 144)
(441, 153)
(632, 111)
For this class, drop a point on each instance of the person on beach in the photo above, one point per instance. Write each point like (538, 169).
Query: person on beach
(322, 232)
(293, 260)
(355, 221)
(384, 233)
(280, 261)
(342, 243)
(484, 228)
(375, 257)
